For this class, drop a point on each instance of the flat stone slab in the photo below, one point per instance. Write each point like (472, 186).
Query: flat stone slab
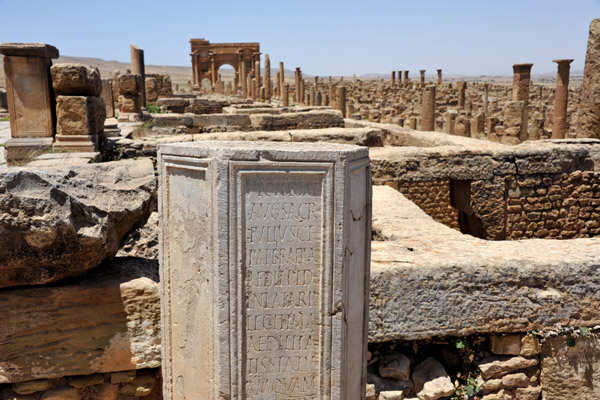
(107, 321)
(428, 279)
(64, 159)
(41, 50)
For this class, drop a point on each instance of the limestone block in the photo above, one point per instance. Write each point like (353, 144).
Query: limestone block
(130, 84)
(370, 392)
(80, 115)
(40, 50)
(395, 366)
(106, 321)
(431, 380)
(518, 380)
(129, 103)
(506, 344)
(530, 346)
(85, 380)
(151, 89)
(533, 393)
(61, 394)
(62, 222)
(391, 395)
(225, 277)
(30, 387)
(76, 80)
(570, 372)
(493, 367)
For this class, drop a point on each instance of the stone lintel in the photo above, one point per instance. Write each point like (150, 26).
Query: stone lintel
(40, 50)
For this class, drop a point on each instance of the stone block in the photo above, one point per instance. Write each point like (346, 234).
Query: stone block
(151, 89)
(80, 115)
(30, 98)
(395, 366)
(130, 84)
(493, 367)
(76, 143)
(129, 103)
(76, 80)
(570, 371)
(255, 261)
(26, 148)
(76, 217)
(106, 321)
(40, 50)
(506, 344)
(431, 380)
(530, 346)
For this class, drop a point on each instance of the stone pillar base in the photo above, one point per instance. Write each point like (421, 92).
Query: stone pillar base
(76, 143)
(17, 149)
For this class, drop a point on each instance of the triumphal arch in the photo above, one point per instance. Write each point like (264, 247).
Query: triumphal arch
(208, 57)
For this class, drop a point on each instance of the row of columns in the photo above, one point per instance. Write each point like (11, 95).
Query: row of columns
(422, 77)
(520, 93)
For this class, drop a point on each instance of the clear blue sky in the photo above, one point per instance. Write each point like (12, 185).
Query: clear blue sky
(327, 37)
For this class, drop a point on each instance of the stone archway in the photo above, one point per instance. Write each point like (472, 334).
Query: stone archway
(208, 57)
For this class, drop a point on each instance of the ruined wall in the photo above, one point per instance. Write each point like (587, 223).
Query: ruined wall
(550, 190)
(433, 197)
(145, 383)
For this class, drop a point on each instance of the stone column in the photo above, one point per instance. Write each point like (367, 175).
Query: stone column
(486, 88)
(285, 95)
(428, 109)
(213, 70)
(399, 78)
(561, 96)
(393, 78)
(521, 83)
(297, 94)
(406, 80)
(31, 103)
(450, 121)
(108, 97)
(340, 103)
(243, 79)
(267, 80)
(461, 87)
(223, 273)
(278, 85)
(439, 81)
(138, 68)
(422, 72)
(588, 121)
(281, 76)
(257, 74)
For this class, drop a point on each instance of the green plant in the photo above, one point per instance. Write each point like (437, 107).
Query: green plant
(153, 108)
(465, 386)
(4, 119)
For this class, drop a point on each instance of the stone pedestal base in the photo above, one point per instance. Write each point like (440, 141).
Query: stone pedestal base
(24, 148)
(79, 143)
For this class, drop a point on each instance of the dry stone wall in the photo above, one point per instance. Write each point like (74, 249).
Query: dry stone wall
(433, 197)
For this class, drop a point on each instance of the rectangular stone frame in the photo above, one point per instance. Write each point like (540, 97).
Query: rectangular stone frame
(341, 376)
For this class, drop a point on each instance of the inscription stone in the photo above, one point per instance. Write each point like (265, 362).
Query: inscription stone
(264, 270)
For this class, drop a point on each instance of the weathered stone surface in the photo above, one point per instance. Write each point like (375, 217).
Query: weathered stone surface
(61, 394)
(446, 266)
(588, 118)
(122, 377)
(130, 84)
(29, 387)
(76, 80)
(506, 344)
(129, 103)
(392, 395)
(40, 50)
(57, 223)
(80, 115)
(530, 346)
(301, 120)
(197, 314)
(431, 380)
(494, 367)
(395, 366)
(143, 242)
(141, 386)
(533, 393)
(518, 380)
(85, 380)
(370, 392)
(570, 371)
(106, 321)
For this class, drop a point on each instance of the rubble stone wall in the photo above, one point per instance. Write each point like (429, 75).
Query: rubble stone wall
(433, 197)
